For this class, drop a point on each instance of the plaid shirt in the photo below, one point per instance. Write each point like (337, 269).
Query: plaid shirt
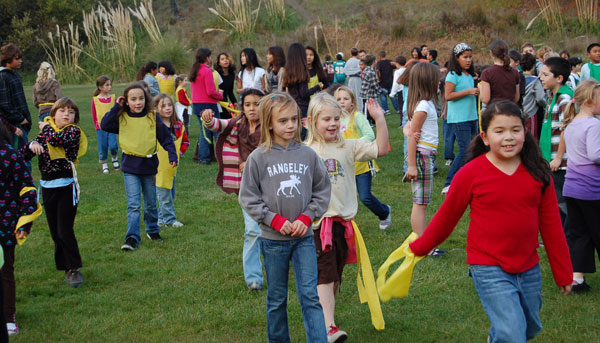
(13, 106)
(370, 88)
(557, 117)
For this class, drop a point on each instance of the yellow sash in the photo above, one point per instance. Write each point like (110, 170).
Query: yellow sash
(398, 284)
(57, 152)
(351, 132)
(166, 86)
(166, 172)
(137, 135)
(367, 290)
(28, 218)
(103, 108)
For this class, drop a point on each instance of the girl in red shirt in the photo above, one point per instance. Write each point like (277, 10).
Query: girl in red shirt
(508, 186)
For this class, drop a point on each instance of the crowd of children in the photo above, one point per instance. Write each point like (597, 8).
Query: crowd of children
(527, 129)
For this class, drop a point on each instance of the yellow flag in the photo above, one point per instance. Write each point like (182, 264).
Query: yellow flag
(398, 284)
(28, 218)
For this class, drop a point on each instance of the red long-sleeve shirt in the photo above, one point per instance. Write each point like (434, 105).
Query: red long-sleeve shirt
(507, 212)
(182, 97)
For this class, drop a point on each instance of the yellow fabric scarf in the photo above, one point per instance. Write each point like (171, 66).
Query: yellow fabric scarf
(398, 285)
(28, 218)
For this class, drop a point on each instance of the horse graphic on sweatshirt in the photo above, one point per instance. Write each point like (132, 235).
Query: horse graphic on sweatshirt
(291, 184)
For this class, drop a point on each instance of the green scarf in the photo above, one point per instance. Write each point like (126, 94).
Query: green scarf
(546, 134)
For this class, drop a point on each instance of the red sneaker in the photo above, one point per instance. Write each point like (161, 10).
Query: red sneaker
(335, 335)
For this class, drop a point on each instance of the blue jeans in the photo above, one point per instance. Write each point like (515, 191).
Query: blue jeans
(383, 101)
(449, 139)
(512, 302)
(106, 141)
(464, 133)
(251, 253)
(207, 137)
(166, 209)
(303, 254)
(363, 185)
(135, 187)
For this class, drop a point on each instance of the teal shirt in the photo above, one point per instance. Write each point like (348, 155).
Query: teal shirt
(465, 108)
(338, 69)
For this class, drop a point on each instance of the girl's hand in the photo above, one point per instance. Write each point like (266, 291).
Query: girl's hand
(412, 173)
(321, 85)
(18, 132)
(298, 228)
(207, 116)
(555, 164)
(36, 147)
(286, 229)
(242, 165)
(42, 124)
(374, 109)
(21, 234)
(566, 290)
(474, 91)
(304, 122)
(173, 164)
(121, 101)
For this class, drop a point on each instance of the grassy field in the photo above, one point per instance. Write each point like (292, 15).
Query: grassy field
(191, 287)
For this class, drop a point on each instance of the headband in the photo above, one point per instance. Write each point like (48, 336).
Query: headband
(460, 48)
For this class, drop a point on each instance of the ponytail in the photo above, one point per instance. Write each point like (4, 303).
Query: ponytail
(499, 49)
(570, 113)
(588, 92)
(145, 70)
(201, 55)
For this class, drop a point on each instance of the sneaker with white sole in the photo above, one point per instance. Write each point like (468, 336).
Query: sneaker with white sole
(448, 163)
(387, 222)
(335, 335)
(115, 163)
(155, 237)
(255, 286)
(74, 278)
(12, 329)
(445, 190)
(130, 244)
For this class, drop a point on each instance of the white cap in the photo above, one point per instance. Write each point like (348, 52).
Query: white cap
(341, 53)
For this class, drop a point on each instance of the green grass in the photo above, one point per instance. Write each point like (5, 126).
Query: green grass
(191, 287)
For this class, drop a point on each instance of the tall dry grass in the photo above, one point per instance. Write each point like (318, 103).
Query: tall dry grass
(63, 53)
(238, 15)
(277, 16)
(145, 15)
(551, 12)
(587, 12)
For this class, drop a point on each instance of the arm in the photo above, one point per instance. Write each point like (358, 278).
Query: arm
(110, 121)
(28, 200)
(280, 76)
(239, 84)
(58, 91)
(8, 111)
(212, 123)
(592, 143)
(165, 139)
(451, 95)
(183, 98)
(562, 147)
(382, 140)
(517, 94)
(209, 86)
(415, 129)
(485, 92)
(540, 95)
(554, 238)
(95, 116)
(185, 141)
(71, 141)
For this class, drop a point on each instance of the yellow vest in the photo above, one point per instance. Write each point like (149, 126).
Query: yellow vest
(103, 108)
(166, 172)
(185, 92)
(166, 86)
(137, 136)
(313, 81)
(216, 77)
(352, 133)
(57, 152)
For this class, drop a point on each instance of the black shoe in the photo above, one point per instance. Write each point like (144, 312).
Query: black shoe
(581, 288)
(437, 252)
(155, 237)
(74, 278)
(130, 244)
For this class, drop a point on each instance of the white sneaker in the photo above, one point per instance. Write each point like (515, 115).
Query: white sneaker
(12, 329)
(387, 222)
(176, 224)
(448, 163)
(445, 190)
(335, 335)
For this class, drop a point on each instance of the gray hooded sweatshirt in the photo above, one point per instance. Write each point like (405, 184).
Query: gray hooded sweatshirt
(285, 181)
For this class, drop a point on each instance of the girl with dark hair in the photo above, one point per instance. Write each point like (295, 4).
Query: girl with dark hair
(147, 73)
(315, 69)
(226, 68)
(166, 78)
(416, 55)
(251, 75)
(295, 79)
(102, 102)
(204, 96)
(508, 187)
(461, 94)
(238, 138)
(500, 81)
(276, 60)
(140, 131)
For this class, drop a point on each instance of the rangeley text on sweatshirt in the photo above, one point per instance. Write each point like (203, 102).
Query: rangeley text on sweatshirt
(287, 168)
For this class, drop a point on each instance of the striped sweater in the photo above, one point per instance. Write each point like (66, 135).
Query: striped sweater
(233, 147)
